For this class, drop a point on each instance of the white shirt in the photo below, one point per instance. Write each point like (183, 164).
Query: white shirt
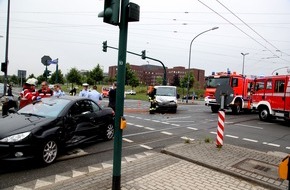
(95, 95)
(84, 93)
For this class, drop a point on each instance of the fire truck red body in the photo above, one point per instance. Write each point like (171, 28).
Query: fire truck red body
(241, 86)
(271, 97)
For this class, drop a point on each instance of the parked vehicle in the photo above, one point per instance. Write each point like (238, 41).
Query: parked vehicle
(105, 92)
(43, 129)
(271, 97)
(130, 92)
(240, 85)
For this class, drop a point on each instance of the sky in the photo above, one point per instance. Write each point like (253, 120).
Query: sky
(71, 31)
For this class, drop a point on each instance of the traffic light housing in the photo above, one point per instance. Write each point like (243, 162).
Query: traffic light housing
(111, 12)
(105, 46)
(4, 67)
(143, 55)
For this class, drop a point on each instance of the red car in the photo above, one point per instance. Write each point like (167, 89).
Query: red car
(105, 92)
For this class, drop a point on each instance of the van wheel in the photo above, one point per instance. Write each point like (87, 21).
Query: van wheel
(215, 108)
(264, 114)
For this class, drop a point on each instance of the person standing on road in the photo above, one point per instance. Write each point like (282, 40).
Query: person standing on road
(95, 95)
(45, 91)
(112, 96)
(152, 99)
(57, 92)
(85, 91)
(10, 102)
(28, 94)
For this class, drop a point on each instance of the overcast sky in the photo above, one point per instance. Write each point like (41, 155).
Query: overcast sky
(71, 31)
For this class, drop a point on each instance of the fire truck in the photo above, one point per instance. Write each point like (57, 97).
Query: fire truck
(240, 85)
(271, 97)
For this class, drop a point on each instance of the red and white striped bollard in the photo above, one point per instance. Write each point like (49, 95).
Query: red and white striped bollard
(220, 129)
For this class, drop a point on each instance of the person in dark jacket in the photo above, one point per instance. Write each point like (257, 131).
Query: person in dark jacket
(112, 97)
(9, 101)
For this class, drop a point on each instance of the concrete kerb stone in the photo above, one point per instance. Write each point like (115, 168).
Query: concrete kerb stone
(227, 170)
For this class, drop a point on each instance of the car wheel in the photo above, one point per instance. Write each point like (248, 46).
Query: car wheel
(49, 152)
(264, 114)
(109, 132)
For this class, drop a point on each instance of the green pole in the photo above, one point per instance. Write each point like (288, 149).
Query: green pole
(46, 72)
(116, 185)
(56, 73)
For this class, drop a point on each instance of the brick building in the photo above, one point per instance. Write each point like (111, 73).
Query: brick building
(147, 74)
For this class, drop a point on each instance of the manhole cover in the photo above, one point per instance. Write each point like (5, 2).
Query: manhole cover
(258, 167)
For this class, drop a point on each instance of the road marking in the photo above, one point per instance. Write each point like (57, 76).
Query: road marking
(145, 146)
(139, 126)
(183, 121)
(250, 140)
(288, 147)
(186, 138)
(166, 133)
(127, 140)
(230, 122)
(156, 121)
(264, 123)
(178, 118)
(231, 136)
(192, 128)
(175, 125)
(149, 128)
(250, 126)
(130, 123)
(271, 144)
(147, 119)
(213, 132)
(139, 118)
(165, 123)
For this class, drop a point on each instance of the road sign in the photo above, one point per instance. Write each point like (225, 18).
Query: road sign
(45, 59)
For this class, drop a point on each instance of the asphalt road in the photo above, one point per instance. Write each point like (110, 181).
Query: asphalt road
(154, 132)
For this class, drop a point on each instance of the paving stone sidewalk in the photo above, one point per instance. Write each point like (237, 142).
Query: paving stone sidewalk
(251, 165)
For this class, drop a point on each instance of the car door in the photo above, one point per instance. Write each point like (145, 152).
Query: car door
(278, 99)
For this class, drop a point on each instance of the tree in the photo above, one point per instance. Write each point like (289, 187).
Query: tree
(96, 74)
(159, 80)
(74, 76)
(60, 78)
(14, 79)
(131, 77)
(176, 80)
(41, 78)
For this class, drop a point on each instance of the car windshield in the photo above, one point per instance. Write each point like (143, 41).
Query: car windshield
(214, 82)
(47, 107)
(165, 91)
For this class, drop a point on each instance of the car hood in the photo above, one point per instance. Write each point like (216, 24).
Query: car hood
(165, 99)
(15, 123)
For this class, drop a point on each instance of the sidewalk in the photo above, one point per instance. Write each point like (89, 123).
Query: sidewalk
(196, 166)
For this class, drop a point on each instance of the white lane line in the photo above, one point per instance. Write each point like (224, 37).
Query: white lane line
(183, 121)
(147, 119)
(288, 147)
(149, 128)
(139, 126)
(213, 132)
(264, 123)
(145, 146)
(192, 128)
(139, 118)
(230, 122)
(231, 136)
(130, 123)
(166, 133)
(177, 118)
(127, 140)
(250, 126)
(186, 138)
(165, 123)
(156, 121)
(131, 116)
(175, 125)
(271, 144)
(250, 140)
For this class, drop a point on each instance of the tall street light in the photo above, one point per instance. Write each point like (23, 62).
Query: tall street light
(244, 54)
(188, 78)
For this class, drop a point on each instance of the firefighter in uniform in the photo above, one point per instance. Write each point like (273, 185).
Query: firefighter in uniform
(152, 99)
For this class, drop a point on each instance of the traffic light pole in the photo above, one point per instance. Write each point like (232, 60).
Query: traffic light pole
(6, 53)
(116, 181)
(164, 68)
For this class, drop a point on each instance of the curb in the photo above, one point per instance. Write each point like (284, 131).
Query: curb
(260, 183)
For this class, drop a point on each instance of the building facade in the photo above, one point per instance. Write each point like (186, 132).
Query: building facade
(149, 74)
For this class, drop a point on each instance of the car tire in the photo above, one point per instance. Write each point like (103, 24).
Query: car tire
(264, 114)
(109, 132)
(49, 152)
(236, 109)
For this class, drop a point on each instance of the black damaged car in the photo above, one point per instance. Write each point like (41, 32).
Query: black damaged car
(42, 129)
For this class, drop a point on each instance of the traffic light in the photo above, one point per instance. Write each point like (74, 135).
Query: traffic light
(4, 67)
(46, 73)
(105, 46)
(111, 12)
(143, 55)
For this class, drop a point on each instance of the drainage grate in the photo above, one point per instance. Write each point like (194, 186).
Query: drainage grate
(258, 167)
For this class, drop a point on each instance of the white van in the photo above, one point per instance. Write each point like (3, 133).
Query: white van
(166, 98)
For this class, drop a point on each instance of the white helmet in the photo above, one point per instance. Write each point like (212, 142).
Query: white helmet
(32, 81)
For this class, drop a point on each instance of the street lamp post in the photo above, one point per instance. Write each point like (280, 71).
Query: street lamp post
(188, 78)
(244, 54)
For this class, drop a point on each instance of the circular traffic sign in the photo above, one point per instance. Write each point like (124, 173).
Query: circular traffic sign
(226, 91)
(45, 59)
